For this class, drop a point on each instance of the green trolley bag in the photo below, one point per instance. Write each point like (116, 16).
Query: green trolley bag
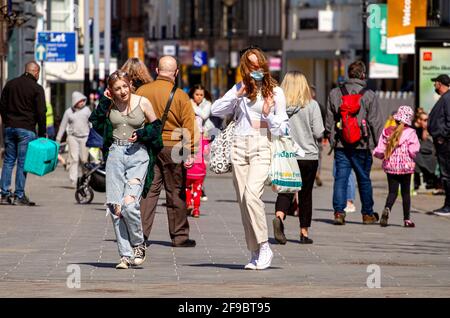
(42, 156)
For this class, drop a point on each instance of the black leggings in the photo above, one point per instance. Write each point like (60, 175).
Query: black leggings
(394, 181)
(308, 170)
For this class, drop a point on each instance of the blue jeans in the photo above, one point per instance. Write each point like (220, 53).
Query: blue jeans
(126, 169)
(351, 188)
(16, 145)
(360, 161)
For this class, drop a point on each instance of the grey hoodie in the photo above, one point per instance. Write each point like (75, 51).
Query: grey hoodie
(75, 120)
(306, 128)
(370, 110)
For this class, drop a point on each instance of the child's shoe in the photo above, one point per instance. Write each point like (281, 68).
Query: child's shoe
(409, 223)
(196, 213)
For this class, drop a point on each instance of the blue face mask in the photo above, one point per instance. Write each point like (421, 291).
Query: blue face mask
(257, 75)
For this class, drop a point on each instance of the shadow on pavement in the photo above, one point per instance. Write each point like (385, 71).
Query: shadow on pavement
(228, 266)
(163, 243)
(331, 221)
(235, 201)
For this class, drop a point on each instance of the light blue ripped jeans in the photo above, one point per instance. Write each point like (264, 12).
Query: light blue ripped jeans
(126, 168)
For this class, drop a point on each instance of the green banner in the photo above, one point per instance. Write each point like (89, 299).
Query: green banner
(382, 65)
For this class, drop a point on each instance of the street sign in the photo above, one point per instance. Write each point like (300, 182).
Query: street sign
(56, 46)
(199, 58)
(136, 48)
(40, 52)
(170, 50)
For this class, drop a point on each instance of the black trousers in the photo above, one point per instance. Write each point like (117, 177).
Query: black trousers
(404, 181)
(308, 170)
(443, 155)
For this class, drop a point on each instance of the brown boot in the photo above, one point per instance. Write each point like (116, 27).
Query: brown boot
(339, 218)
(370, 219)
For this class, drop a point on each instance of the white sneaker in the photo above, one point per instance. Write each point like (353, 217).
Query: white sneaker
(265, 256)
(350, 208)
(125, 263)
(252, 264)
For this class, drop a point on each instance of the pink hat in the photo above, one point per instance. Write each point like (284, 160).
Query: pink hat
(405, 115)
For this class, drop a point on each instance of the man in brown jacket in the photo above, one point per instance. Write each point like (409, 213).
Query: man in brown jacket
(178, 132)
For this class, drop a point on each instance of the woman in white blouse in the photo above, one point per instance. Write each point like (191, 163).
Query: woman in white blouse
(259, 107)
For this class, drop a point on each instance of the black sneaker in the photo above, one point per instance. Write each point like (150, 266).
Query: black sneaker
(187, 243)
(7, 199)
(23, 201)
(444, 211)
(139, 254)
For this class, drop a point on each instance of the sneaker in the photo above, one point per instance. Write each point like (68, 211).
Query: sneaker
(339, 218)
(124, 263)
(439, 192)
(196, 213)
(385, 217)
(350, 208)
(203, 198)
(7, 199)
(139, 254)
(370, 219)
(265, 256)
(444, 211)
(252, 264)
(23, 201)
(409, 223)
(278, 230)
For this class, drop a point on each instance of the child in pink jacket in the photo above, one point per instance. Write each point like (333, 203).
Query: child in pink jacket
(194, 180)
(397, 147)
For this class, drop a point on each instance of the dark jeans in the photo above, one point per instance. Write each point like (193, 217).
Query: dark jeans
(443, 155)
(404, 181)
(16, 145)
(173, 176)
(360, 160)
(308, 170)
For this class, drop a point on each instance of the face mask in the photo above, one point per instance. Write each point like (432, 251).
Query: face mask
(257, 75)
(437, 91)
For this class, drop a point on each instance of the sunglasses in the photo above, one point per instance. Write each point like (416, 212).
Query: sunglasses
(251, 47)
(118, 74)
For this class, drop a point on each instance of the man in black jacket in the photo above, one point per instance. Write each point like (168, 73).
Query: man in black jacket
(439, 129)
(22, 106)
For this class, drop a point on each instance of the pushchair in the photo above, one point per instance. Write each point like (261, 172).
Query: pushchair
(93, 179)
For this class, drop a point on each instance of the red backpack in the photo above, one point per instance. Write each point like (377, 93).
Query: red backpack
(349, 109)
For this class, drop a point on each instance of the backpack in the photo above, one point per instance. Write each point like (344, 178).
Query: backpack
(349, 109)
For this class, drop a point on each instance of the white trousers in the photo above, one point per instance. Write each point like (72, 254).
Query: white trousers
(251, 157)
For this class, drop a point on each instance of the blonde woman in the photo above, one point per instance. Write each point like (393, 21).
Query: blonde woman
(307, 128)
(260, 107)
(137, 72)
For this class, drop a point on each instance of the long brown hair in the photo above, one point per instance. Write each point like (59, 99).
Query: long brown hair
(246, 67)
(113, 78)
(394, 139)
(137, 72)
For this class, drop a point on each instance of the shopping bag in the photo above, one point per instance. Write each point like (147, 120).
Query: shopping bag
(284, 173)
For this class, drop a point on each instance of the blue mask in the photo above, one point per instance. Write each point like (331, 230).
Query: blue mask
(257, 75)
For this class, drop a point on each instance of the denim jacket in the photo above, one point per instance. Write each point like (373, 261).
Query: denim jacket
(149, 135)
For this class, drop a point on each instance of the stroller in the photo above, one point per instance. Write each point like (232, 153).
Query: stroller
(94, 176)
(92, 180)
